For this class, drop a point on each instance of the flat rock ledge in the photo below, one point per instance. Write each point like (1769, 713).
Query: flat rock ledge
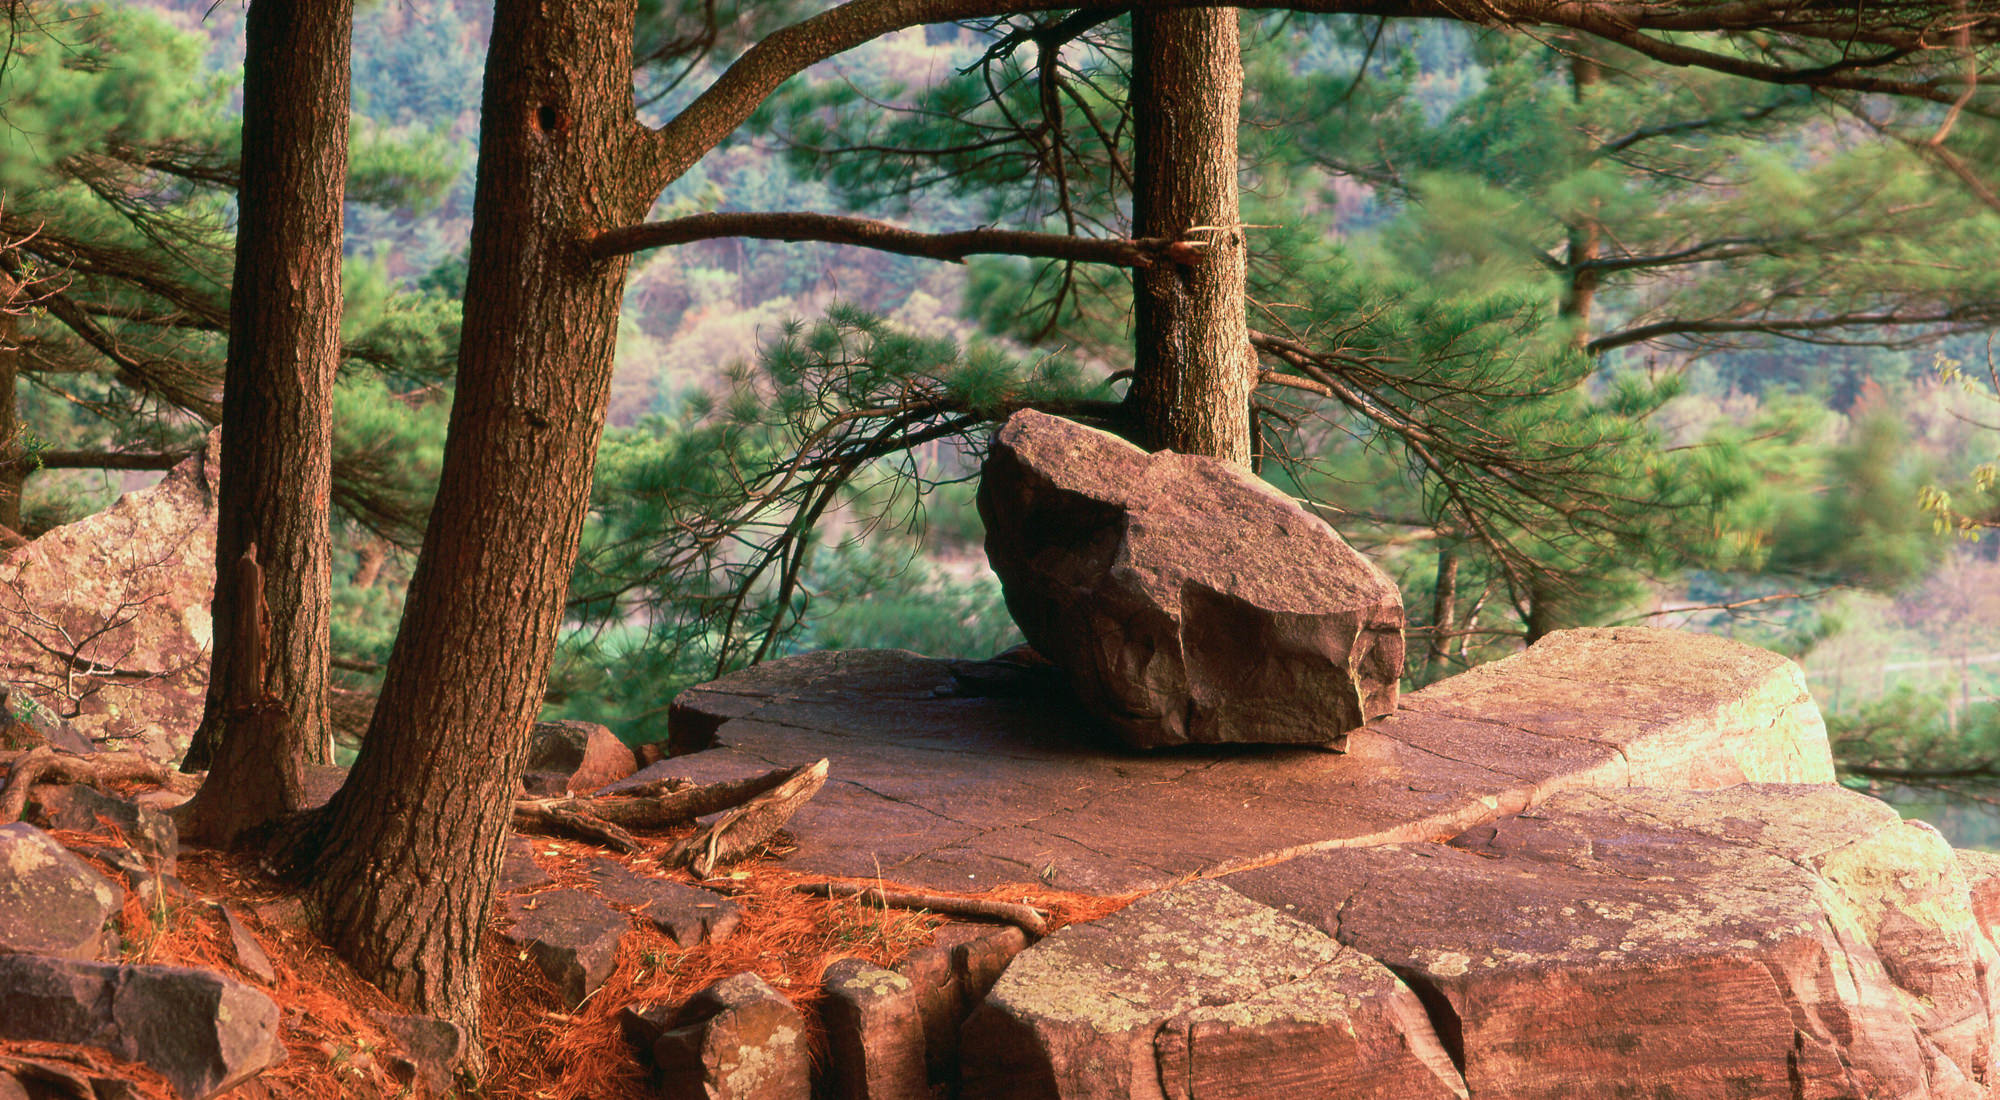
(1766, 940)
(963, 775)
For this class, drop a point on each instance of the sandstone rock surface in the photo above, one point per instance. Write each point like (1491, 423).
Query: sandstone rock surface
(1189, 601)
(571, 756)
(1200, 992)
(572, 936)
(739, 1039)
(51, 903)
(961, 775)
(125, 590)
(203, 1032)
(689, 914)
(875, 1033)
(1754, 941)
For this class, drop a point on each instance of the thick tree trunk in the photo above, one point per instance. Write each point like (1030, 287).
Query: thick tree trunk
(284, 345)
(411, 844)
(1192, 368)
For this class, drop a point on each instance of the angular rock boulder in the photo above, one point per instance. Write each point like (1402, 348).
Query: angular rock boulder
(874, 1032)
(572, 756)
(1200, 992)
(51, 903)
(572, 936)
(201, 1031)
(1753, 941)
(739, 1039)
(134, 581)
(1189, 602)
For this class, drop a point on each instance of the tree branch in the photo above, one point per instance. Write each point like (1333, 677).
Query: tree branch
(881, 236)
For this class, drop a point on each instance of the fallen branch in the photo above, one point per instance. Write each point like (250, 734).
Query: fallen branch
(572, 817)
(44, 764)
(743, 830)
(1029, 919)
(662, 804)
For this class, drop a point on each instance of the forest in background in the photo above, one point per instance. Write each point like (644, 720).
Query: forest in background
(1813, 459)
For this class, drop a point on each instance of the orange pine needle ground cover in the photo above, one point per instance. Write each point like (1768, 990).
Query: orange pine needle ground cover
(535, 1047)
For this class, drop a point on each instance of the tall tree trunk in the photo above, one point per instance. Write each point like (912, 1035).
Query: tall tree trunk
(1444, 609)
(1580, 278)
(284, 346)
(1192, 368)
(411, 844)
(13, 472)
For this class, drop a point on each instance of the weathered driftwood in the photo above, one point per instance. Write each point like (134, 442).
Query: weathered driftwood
(661, 804)
(744, 829)
(572, 817)
(1029, 919)
(44, 764)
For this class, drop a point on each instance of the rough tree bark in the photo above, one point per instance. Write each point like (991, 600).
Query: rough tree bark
(284, 344)
(412, 842)
(1192, 368)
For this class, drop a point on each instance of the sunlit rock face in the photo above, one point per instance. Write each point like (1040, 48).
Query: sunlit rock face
(1762, 940)
(104, 624)
(1189, 602)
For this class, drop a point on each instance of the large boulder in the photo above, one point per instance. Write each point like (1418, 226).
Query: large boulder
(1188, 601)
(201, 1031)
(51, 903)
(110, 615)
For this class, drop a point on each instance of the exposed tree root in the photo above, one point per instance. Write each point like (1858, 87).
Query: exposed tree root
(44, 764)
(1029, 919)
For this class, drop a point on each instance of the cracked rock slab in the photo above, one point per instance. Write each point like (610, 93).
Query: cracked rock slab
(1754, 941)
(1189, 601)
(962, 775)
(1200, 992)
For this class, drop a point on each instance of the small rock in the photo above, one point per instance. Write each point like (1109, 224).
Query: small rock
(739, 1039)
(433, 1048)
(51, 903)
(689, 914)
(86, 810)
(1188, 601)
(201, 1031)
(585, 754)
(875, 1033)
(572, 936)
(518, 869)
(250, 956)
